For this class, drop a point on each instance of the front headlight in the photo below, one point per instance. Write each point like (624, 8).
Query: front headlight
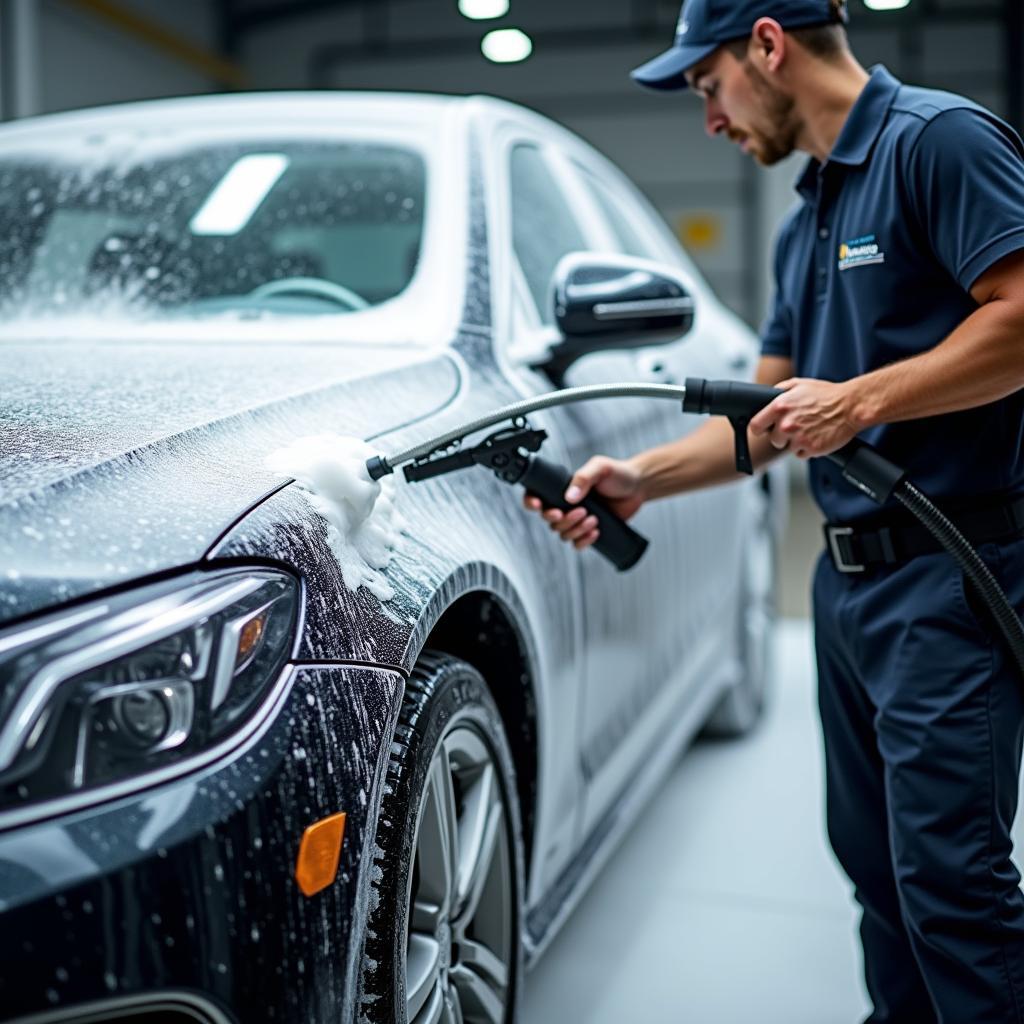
(109, 691)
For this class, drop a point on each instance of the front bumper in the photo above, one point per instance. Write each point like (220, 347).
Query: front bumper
(189, 887)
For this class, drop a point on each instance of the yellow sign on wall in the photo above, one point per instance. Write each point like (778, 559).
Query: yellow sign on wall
(700, 231)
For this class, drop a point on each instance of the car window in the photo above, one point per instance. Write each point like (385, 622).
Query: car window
(630, 238)
(287, 226)
(544, 228)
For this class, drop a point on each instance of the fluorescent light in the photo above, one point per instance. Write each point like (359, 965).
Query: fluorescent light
(506, 45)
(480, 10)
(886, 5)
(230, 206)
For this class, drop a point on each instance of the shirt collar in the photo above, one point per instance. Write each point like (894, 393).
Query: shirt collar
(861, 130)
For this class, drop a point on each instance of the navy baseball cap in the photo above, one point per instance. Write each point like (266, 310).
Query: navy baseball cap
(704, 25)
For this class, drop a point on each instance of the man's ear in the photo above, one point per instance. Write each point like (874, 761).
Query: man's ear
(769, 43)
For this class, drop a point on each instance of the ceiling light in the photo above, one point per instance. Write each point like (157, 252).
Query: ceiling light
(506, 45)
(480, 10)
(230, 206)
(886, 5)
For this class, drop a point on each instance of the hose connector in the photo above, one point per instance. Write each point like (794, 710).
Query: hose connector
(377, 466)
(867, 470)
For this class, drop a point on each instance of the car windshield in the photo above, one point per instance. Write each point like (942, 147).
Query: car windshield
(241, 229)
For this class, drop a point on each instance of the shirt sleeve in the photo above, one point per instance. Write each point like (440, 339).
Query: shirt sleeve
(967, 177)
(777, 328)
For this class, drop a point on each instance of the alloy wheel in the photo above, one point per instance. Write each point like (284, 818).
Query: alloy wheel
(461, 912)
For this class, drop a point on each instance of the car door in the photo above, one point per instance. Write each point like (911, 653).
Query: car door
(638, 624)
(687, 608)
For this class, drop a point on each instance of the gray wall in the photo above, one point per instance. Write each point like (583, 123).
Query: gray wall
(79, 59)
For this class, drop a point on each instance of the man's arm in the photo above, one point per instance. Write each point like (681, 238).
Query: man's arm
(982, 361)
(701, 459)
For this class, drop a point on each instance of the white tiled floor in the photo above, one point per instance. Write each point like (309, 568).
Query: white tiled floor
(724, 905)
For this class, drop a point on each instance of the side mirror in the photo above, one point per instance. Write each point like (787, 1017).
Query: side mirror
(608, 301)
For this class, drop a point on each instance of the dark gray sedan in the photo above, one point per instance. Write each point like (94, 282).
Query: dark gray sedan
(246, 775)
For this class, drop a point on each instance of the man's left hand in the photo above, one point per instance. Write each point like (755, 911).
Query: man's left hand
(813, 417)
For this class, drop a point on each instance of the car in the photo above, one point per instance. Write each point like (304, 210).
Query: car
(245, 774)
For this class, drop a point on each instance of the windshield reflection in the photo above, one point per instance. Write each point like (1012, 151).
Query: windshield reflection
(239, 230)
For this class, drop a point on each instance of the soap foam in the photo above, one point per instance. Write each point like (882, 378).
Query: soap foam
(363, 525)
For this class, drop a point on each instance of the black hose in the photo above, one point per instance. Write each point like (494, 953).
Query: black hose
(970, 562)
(861, 465)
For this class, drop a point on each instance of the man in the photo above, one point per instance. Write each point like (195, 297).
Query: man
(898, 315)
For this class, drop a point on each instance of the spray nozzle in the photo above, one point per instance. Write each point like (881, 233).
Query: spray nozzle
(510, 454)
(500, 451)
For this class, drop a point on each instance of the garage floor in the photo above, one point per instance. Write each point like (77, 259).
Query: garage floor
(724, 905)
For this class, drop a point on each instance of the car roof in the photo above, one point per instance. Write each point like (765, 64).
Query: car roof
(399, 108)
(421, 112)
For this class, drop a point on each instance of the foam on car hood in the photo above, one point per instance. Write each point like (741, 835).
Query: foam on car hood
(364, 526)
(119, 461)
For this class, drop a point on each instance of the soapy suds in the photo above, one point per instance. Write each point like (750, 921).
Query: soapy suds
(363, 525)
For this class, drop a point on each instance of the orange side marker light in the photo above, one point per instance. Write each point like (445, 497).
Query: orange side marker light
(319, 852)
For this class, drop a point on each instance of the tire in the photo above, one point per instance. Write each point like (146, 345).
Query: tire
(743, 704)
(443, 935)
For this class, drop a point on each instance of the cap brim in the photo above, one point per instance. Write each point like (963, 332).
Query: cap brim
(668, 71)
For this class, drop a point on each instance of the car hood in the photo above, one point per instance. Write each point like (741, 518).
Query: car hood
(119, 459)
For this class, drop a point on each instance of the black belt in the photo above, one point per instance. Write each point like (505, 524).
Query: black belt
(856, 547)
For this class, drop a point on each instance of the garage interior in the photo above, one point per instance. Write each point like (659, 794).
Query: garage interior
(751, 918)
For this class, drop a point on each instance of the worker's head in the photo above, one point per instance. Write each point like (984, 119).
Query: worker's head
(748, 60)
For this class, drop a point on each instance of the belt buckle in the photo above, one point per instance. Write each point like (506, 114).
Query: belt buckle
(834, 533)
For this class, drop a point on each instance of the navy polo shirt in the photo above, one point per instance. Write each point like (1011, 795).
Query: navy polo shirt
(923, 192)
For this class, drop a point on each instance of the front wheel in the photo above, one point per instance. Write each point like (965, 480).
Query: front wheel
(442, 942)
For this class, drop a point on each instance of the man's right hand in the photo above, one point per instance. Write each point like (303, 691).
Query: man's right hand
(619, 483)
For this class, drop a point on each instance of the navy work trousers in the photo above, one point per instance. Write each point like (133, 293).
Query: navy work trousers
(923, 717)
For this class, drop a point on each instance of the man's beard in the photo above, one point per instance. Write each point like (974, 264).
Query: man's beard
(777, 135)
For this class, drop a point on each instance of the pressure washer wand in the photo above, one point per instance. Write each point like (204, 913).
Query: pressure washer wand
(860, 464)
(508, 454)
(617, 541)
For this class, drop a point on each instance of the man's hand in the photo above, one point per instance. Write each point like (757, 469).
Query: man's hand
(813, 417)
(617, 481)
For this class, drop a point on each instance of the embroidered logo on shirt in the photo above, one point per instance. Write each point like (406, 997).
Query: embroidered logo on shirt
(860, 252)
